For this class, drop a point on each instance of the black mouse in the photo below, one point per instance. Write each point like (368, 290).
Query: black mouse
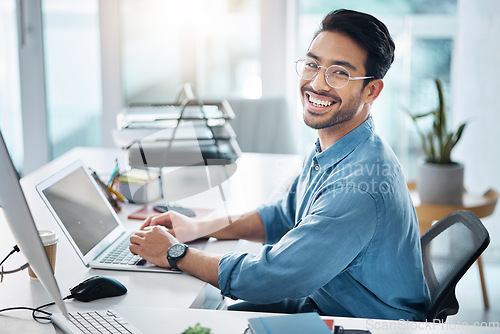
(97, 287)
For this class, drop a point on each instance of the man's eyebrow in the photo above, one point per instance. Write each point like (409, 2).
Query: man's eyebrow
(334, 62)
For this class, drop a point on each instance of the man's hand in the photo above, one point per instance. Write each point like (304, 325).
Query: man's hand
(152, 243)
(182, 227)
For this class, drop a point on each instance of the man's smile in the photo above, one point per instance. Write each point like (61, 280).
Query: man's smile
(317, 103)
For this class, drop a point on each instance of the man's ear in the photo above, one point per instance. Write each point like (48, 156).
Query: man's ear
(373, 89)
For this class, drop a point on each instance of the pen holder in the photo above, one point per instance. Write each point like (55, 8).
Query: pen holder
(112, 193)
(139, 186)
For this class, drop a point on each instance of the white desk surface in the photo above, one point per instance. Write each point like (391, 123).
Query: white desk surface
(157, 302)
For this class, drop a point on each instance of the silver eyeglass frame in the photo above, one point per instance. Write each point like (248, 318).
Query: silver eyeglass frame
(326, 71)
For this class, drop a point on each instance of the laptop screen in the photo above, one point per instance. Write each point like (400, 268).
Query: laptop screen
(81, 209)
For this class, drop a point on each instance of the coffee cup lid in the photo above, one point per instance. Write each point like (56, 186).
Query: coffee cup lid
(48, 237)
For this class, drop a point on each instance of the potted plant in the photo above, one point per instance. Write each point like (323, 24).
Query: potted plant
(440, 179)
(197, 329)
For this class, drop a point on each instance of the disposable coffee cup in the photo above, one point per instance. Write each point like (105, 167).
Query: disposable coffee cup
(49, 240)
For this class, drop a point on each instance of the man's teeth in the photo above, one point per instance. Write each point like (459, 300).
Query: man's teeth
(318, 102)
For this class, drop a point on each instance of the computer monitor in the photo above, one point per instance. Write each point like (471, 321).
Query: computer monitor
(23, 227)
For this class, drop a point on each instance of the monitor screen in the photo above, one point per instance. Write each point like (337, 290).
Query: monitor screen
(23, 227)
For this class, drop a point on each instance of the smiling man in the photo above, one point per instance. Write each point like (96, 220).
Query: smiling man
(344, 239)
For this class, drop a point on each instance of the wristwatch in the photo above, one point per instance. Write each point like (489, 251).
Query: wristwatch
(175, 253)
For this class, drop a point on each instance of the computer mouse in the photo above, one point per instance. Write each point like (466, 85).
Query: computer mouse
(97, 287)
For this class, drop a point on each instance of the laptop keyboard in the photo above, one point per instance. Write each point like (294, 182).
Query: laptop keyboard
(89, 322)
(122, 255)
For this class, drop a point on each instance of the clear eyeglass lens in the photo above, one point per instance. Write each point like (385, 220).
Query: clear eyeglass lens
(337, 76)
(307, 69)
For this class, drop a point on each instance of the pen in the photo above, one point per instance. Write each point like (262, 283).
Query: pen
(113, 174)
(119, 195)
(113, 180)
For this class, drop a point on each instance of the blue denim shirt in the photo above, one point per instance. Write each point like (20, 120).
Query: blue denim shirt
(346, 234)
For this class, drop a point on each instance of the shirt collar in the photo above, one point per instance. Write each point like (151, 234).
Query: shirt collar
(343, 147)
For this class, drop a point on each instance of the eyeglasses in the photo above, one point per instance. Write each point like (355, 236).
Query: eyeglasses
(336, 76)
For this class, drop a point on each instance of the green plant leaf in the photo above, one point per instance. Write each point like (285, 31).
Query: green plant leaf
(197, 329)
(446, 150)
(415, 117)
(454, 138)
(425, 145)
(441, 111)
(437, 143)
(459, 132)
(432, 150)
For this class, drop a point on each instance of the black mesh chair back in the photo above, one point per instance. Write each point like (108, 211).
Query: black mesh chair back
(449, 248)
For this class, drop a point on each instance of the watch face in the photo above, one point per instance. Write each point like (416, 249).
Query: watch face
(176, 250)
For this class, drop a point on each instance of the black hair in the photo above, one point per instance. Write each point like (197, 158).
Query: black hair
(369, 32)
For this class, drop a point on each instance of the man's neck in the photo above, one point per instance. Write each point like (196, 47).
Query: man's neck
(331, 135)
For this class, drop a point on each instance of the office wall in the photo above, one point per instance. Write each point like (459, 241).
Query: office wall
(264, 126)
(475, 76)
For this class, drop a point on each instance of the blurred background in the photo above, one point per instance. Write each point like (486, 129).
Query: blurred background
(240, 50)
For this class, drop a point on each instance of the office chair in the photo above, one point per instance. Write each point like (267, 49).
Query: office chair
(449, 248)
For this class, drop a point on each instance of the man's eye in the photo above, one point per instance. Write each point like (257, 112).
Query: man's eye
(311, 65)
(341, 73)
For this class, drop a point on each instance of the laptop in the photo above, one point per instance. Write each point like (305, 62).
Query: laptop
(89, 222)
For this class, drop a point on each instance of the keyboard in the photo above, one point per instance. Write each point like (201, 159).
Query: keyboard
(122, 255)
(90, 322)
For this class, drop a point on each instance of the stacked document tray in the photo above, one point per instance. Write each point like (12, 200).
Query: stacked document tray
(181, 134)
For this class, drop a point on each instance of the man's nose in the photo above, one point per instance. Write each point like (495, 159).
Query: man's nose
(319, 83)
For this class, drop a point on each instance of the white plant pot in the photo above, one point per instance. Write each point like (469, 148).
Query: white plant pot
(440, 184)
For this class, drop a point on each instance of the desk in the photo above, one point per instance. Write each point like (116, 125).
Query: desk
(177, 300)
(242, 192)
(481, 205)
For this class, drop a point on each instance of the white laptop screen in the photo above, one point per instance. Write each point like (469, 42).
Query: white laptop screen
(81, 209)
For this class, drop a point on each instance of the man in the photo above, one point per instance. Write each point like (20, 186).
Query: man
(344, 240)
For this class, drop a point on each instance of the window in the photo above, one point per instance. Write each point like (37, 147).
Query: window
(72, 72)
(10, 99)
(212, 44)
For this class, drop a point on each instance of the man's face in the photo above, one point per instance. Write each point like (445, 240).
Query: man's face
(324, 106)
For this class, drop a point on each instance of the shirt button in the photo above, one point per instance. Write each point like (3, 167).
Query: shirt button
(316, 167)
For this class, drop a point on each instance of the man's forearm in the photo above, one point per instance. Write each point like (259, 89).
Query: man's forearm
(248, 226)
(205, 266)
(202, 265)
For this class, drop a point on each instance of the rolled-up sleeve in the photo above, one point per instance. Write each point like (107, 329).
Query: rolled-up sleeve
(308, 256)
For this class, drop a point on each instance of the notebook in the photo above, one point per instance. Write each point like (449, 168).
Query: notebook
(90, 223)
(289, 324)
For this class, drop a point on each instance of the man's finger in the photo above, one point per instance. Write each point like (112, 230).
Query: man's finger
(134, 249)
(156, 220)
(152, 227)
(136, 238)
(147, 222)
